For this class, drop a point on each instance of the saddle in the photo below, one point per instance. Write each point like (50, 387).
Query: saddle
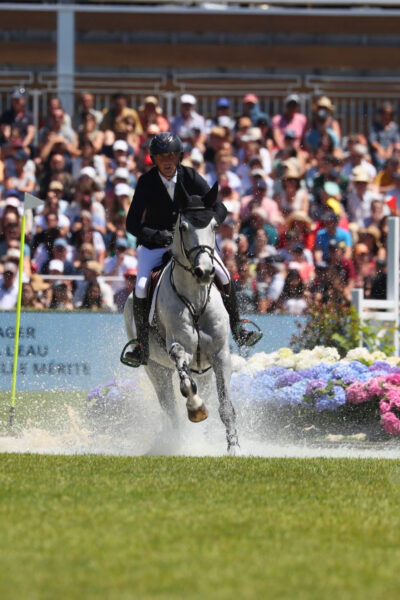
(155, 276)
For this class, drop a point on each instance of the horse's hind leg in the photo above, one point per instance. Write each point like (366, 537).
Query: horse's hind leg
(161, 378)
(222, 370)
(195, 406)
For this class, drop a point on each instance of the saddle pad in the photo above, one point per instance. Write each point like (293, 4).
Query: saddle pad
(155, 294)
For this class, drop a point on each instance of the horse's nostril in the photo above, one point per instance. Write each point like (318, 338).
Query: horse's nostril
(198, 272)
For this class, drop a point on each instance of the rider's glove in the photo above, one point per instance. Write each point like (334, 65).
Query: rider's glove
(162, 237)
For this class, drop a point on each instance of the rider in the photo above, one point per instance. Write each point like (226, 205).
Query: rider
(151, 218)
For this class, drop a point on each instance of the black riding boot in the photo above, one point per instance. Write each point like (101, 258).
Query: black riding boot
(241, 336)
(140, 354)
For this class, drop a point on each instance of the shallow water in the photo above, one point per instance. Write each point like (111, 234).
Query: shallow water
(136, 426)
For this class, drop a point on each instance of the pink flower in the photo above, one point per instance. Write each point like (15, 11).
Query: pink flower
(390, 423)
(384, 406)
(393, 379)
(393, 396)
(357, 393)
(376, 386)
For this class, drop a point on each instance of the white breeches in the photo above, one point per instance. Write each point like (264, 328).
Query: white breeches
(149, 259)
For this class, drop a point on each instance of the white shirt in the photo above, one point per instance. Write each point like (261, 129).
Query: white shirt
(169, 183)
(8, 297)
(129, 262)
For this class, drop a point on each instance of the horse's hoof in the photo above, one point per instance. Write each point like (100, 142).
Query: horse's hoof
(234, 450)
(198, 415)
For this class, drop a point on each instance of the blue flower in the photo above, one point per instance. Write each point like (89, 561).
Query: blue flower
(288, 378)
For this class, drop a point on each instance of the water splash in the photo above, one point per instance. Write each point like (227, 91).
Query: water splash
(136, 426)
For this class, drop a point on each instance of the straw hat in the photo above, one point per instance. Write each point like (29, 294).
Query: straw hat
(359, 174)
(38, 283)
(300, 216)
(325, 102)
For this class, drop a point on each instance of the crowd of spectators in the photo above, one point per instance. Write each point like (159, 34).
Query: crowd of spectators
(307, 208)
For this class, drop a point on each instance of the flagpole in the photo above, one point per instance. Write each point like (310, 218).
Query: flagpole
(29, 202)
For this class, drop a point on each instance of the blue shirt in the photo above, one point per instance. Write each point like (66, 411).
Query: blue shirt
(323, 238)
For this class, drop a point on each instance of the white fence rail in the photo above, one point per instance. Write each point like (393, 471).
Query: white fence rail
(385, 310)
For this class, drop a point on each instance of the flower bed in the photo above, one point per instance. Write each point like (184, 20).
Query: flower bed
(310, 383)
(317, 380)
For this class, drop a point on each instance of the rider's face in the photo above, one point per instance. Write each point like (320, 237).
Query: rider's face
(167, 163)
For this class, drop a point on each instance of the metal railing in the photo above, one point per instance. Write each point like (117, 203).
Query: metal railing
(356, 99)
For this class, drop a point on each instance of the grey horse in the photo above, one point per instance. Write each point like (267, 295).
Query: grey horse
(190, 332)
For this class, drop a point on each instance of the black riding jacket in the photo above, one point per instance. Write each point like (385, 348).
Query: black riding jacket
(152, 208)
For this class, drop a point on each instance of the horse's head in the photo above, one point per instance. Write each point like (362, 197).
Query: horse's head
(194, 240)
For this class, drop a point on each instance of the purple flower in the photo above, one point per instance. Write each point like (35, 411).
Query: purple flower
(380, 365)
(288, 378)
(315, 387)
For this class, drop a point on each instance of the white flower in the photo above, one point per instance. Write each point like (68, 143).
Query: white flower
(359, 354)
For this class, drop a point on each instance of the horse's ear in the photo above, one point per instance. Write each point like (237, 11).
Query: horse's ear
(181, 194)
(210, 198)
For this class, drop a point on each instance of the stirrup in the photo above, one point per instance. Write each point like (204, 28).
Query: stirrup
(247, 338)
(127, 357)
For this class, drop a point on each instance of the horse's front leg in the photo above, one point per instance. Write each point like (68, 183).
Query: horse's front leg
(222, 369)
(196, 408)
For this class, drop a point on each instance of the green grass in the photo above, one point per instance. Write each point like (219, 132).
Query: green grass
(90, 527)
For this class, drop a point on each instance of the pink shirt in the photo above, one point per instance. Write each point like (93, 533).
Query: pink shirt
(267, 204)
(298, 124)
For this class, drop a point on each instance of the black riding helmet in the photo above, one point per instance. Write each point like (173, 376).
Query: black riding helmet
(165, 142)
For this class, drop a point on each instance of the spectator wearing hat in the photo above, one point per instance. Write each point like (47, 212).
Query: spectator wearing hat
(264, 123)
(9, 286)
(21, 179)
(91, 272)
(122, 156)
(222, 116)
(123, 294)
(188, 118)
(326, 103)
(117, 265)
(270, 283)
(320, 128)
(358, 157)
(57, 138)
(330, 231)
(18, 117)
(360, 197)
(296, 230)
(150, 113)
(83, 254)
(290, 118)
(292, 197)
(63, 253)
(384, 136)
